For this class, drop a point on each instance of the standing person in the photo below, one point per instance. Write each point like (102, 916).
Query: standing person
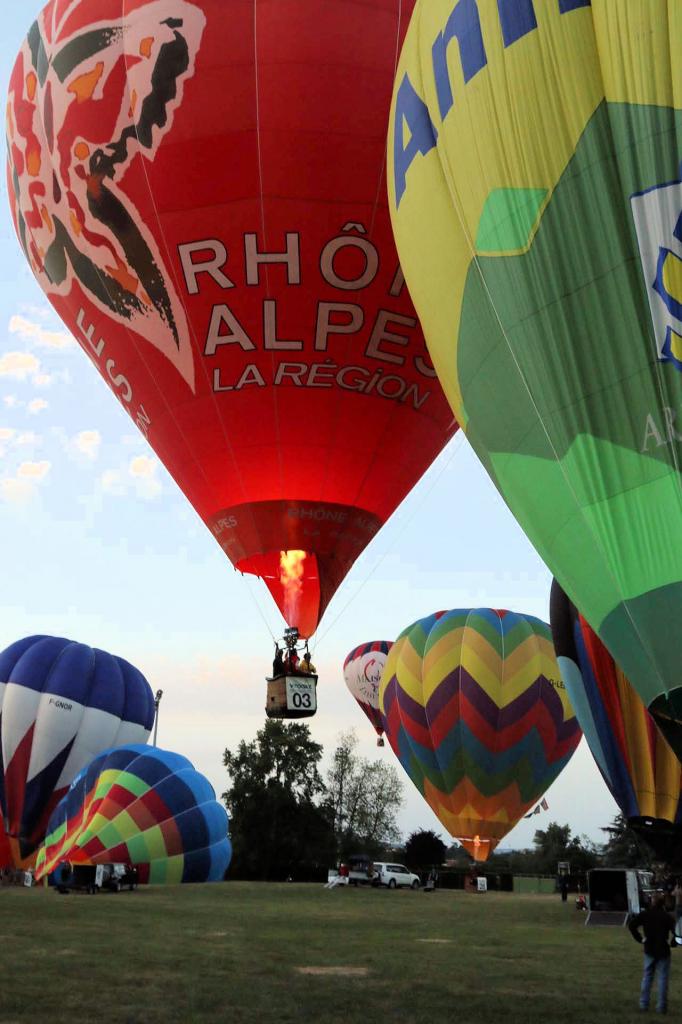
(657, 924)
(563, 887)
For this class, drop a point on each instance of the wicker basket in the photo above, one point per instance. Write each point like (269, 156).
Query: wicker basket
(276, 700)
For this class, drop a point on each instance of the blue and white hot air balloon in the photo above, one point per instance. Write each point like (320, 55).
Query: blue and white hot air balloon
(61, 704)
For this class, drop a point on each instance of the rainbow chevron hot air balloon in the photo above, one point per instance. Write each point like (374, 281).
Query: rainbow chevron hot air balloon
(476, 711)
(638, 765)
(145, 807)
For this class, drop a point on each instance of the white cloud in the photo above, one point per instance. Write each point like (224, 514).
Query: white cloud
(142, 466)
(19, 365)
(28, 437)
(34, 470)
(87, 443)
(11, 401)
(36, 405)
(16, 491)
(143, 471)
(42, 380)
(34, 332)
(140, 475)
(10, 438)
(21, 487)
(112, 482)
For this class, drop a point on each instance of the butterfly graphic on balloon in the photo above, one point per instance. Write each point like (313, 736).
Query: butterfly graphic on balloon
(84, 114)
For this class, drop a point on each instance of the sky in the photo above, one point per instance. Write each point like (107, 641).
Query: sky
(98, 544)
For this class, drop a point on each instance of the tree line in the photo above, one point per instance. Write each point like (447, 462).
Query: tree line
(288, 821)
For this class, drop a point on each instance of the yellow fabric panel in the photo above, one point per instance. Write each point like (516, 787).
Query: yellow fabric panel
(530, 97)
(104, 783)
(440, 660)
(668, 780)
(633, 49)
(97, 822)
(155, 843)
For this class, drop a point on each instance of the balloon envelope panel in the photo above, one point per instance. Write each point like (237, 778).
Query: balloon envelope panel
(362, 672)
(61, 703)
(537, 209)
(199, 187)
(475, 709)
(145, 807)
(641, 770)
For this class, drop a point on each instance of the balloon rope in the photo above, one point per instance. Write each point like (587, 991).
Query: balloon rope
(453, 448)
(248, 577)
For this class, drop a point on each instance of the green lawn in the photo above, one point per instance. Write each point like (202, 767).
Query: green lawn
(231, 952)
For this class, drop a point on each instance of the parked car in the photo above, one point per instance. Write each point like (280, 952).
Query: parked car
(394, 875)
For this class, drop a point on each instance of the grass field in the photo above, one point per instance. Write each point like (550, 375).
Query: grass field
(233, 952)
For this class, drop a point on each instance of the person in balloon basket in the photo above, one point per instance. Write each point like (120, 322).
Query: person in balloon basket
(291, 662)
(307, 667)
(657, 924)
(278, 663)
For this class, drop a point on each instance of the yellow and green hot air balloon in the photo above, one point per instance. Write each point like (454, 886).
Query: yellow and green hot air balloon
(474, 708)
(536, 195)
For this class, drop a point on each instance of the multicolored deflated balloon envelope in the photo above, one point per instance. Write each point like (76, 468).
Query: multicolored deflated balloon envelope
(199, 188)
(144, 807)
(475, 709)
(362, 672)
(61, 703)
(641, 770)
(535, 187)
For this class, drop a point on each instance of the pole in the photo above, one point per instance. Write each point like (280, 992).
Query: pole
(157, 701)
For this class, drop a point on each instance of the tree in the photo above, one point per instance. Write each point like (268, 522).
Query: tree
(623, 848)
(365, 797)
(282, 823)
(555, 843)
(424, 849)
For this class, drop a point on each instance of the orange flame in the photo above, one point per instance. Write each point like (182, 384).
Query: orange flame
(291, 578)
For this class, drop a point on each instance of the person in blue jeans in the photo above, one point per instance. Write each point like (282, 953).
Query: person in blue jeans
(657, 925)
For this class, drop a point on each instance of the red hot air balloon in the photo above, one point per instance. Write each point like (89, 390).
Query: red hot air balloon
(199, 188)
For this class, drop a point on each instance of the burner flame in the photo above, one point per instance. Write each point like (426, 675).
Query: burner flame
(291, 577)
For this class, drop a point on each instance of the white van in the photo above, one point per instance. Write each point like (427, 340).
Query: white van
(394, 875)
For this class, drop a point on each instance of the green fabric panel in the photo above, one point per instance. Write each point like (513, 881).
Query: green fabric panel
(588, 464)
(508, 218)
(155, 842)
(133, 783)
(138, 850)
(110, 836)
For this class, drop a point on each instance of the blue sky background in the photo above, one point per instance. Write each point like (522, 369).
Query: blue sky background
(98, 544)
